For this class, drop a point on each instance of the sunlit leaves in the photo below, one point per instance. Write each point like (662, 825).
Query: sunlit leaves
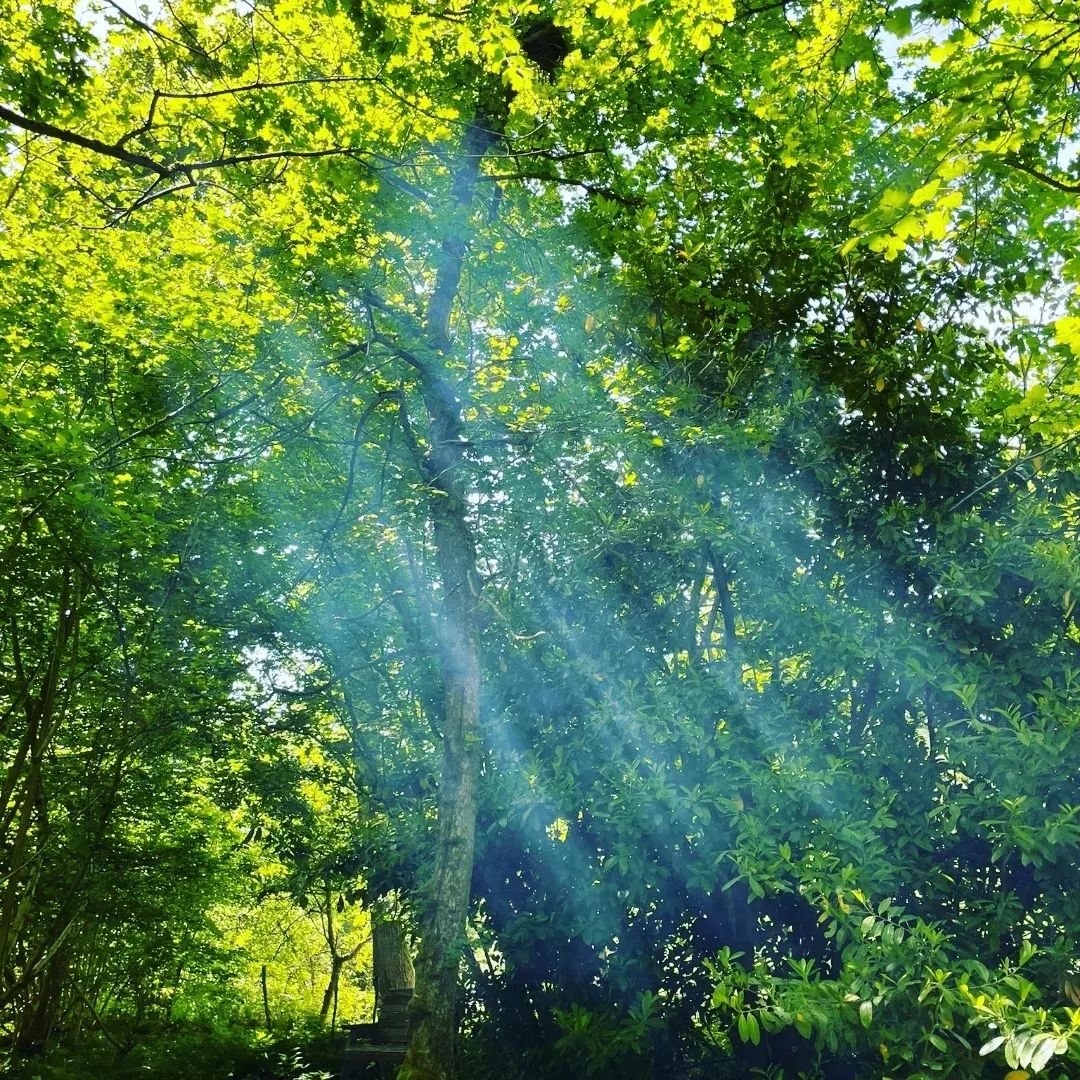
(769, 463)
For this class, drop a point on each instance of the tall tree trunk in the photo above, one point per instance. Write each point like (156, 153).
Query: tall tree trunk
(433, 1012)
(390, 959)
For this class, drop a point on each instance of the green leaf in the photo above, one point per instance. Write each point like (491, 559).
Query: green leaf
(898, 21)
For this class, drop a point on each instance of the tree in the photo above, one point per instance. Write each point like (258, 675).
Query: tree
(676, 546)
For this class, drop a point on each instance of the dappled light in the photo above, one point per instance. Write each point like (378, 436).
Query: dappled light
(539, 540)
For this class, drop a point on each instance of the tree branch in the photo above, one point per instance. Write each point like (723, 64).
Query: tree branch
(111, 150)
(629, 201)
(200, 95)
(956, 504)
(1044, 178)
(195, 50)
(167, 170)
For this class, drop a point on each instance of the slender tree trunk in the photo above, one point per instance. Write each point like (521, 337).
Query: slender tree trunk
(330, 993)
(336, 961)
(24, 821)
(433, 1012)
(265, 997)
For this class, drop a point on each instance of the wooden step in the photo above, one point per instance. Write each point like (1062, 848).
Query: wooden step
(357, 1062)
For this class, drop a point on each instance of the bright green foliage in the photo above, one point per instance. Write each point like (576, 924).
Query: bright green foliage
(766, 364)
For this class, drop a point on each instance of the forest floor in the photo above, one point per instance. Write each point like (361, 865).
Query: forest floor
(186, 1055)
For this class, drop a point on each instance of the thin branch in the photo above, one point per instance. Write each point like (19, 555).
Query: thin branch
(747, 13)
(1044, 178)
(953, 507)
(96, 1017)
(710, 625)
(146, 125)
(249, 87)
(629, 201)
(269, 155)
(167, 170)
(195, 50)
(151, 194)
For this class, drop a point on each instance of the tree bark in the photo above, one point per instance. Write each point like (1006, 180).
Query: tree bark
(433, 1011)
(335, 960)
(390, 959)
(331, 991)
(265, 997)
